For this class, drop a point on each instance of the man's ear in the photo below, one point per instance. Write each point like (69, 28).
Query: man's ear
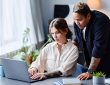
(89, 16)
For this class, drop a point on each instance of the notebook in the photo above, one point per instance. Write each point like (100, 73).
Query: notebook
(71, 81)
(15, 69)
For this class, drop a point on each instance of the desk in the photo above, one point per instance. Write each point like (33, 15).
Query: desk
(5, 81)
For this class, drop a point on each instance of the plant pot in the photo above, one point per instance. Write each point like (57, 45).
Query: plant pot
(98, 80)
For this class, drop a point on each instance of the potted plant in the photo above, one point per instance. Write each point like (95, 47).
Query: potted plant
(98, 78)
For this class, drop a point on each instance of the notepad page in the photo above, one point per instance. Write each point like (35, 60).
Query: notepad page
(71, 81)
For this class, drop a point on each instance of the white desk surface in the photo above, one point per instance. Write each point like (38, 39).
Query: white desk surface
(5, 81)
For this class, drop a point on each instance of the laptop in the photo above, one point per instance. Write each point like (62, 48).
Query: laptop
(15, 69)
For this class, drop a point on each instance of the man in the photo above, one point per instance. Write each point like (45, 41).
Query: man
(92, 29)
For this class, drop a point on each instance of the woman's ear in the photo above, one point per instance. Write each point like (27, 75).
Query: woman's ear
(66, 31)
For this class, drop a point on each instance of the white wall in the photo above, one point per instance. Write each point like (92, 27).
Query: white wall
(106, 7)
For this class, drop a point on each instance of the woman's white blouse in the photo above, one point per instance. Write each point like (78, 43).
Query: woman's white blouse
(50, 59)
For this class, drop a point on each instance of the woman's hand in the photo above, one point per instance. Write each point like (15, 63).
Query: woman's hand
(38, 76)
(35, 74)
(32, 71)
(85, 76)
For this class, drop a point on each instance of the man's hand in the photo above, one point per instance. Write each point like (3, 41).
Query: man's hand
(85, 76)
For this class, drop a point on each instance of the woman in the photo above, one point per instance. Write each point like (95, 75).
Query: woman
(58, 58)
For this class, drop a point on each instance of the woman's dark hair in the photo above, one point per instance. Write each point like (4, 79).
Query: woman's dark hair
(60, 24)
(81, 8)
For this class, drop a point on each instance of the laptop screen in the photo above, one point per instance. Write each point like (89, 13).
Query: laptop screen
(15, 69)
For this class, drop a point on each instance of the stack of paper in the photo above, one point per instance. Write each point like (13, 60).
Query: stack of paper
(71, 81)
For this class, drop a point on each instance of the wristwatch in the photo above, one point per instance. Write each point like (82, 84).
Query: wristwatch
(90, 71)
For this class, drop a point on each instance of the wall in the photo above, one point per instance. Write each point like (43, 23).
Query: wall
(105, 7)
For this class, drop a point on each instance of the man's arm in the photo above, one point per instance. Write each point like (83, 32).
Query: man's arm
(93, 66)
(94, 63)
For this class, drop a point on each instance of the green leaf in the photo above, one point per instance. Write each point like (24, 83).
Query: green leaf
(99, 74)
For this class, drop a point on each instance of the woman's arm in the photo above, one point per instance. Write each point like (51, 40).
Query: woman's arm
(53, 74)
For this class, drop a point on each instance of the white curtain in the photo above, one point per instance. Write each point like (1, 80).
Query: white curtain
(37, 18)
(15, 17)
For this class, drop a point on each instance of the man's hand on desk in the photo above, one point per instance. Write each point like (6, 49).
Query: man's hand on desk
(85, 76)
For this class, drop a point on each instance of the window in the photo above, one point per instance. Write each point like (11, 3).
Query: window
(15, 17)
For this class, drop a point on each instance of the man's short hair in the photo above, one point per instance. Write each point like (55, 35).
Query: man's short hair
(81, 8)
